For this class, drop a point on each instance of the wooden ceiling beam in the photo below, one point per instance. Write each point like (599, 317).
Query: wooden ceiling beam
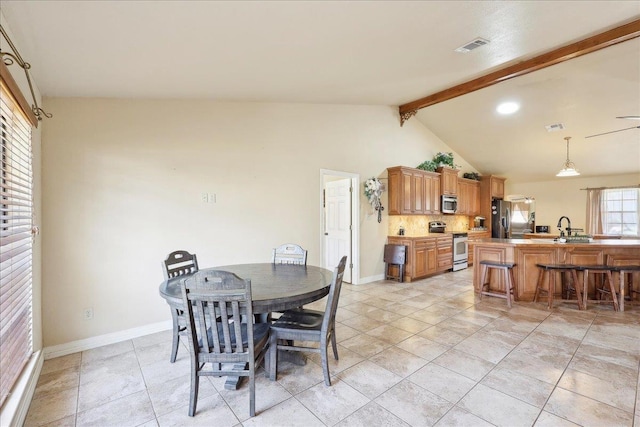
(590, 44)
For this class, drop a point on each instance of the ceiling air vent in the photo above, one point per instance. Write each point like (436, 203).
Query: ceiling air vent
(472, 45)
(554, 127)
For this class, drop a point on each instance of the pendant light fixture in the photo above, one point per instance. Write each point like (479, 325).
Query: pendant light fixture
(568, 168)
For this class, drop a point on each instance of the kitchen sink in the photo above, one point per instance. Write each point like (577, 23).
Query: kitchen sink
(543, 240)
(578, 239)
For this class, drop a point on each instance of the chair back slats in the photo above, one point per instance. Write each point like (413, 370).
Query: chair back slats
(289, 253)
(179, 263)
(334, 295)
(224, 296)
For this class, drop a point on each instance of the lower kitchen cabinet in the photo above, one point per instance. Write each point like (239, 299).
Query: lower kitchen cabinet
(444, 246)
(473, 236)
(425, 255)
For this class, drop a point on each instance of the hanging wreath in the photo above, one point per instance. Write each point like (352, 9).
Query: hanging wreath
(373, 190)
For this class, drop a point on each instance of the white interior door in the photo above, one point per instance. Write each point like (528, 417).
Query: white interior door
(337, 232)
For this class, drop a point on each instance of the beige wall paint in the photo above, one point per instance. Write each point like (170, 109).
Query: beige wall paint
(558, 197)
(122, 181)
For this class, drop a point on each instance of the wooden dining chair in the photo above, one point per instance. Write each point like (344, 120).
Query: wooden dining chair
(233, 346)
(289, 253)
(178, 263)
(308, 325)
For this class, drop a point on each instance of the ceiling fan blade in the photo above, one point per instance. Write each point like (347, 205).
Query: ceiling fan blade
(629, 117)
(613, 131)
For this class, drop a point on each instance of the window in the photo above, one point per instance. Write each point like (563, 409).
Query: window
(16, 217)
(620, 208)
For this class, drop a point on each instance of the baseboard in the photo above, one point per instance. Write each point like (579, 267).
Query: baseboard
(15, 408)
(106, 339)
(370, 279)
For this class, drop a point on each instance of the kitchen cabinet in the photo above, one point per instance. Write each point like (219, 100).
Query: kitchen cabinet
(526, 254)
(491, 187)
(448, 181)
(473, 237)
(495, 186)
(413, 191)
(432, 193)
(468, 197)
(425, 255)
(444, 252)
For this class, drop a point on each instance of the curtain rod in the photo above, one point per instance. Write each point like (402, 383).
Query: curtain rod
(611, 188)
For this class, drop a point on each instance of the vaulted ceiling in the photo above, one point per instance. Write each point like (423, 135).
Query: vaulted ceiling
(365, 52)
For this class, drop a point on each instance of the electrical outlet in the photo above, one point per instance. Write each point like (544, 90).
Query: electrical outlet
(204, 197)
(87, 314)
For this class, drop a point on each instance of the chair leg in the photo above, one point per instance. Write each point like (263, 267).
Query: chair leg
(334, 344)
(538, 285)
(577, 285)
(551, 290)
(612, 288)
(509, 286)
(195, 385)
(176, 335)
(483, 275)
(252, 391)
(325, 362)
(273, 356)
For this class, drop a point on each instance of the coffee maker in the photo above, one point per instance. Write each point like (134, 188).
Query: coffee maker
(478, 223)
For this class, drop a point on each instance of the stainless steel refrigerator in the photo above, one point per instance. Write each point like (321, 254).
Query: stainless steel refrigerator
(511, 219)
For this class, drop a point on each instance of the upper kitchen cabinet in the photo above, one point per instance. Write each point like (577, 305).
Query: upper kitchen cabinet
(494, 186)
(413, 191)
(468, 197)
(491, 187)
(448, 181)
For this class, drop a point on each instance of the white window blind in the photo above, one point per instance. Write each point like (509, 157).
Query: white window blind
(16, 219)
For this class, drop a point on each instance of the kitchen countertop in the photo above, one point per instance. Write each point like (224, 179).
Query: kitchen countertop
(527, 253)
(448, 232)
(550, 242)
(420, 235)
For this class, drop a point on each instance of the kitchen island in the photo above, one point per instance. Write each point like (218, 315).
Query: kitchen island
(526, 253)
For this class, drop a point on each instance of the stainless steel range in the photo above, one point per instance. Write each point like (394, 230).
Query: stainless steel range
(460, 245)
(460, 251)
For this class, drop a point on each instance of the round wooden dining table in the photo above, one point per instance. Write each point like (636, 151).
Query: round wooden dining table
(274, 287)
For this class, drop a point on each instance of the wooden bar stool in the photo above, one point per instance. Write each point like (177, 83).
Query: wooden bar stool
(550, 271)
(622, 270)
(607, 286)
(507, 268)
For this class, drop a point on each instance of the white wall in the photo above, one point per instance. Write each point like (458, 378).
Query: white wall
(563, 196)
(122, 183)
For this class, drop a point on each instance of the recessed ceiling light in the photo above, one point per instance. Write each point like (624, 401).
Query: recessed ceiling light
(508, 108)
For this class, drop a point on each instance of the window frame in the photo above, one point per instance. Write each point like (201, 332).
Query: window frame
(627, 200)
(16, 232)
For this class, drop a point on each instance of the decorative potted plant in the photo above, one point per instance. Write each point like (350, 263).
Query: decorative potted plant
(444, 159)
(427, 165)
(472, 175)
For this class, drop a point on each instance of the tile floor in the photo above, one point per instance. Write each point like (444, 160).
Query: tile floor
(411, 354)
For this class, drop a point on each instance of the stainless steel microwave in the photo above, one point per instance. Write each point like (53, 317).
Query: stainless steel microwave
(449, 204)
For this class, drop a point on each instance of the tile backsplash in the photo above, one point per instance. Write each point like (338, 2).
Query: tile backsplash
(418, 225)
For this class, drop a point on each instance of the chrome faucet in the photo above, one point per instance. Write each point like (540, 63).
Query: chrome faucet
(568, 226)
